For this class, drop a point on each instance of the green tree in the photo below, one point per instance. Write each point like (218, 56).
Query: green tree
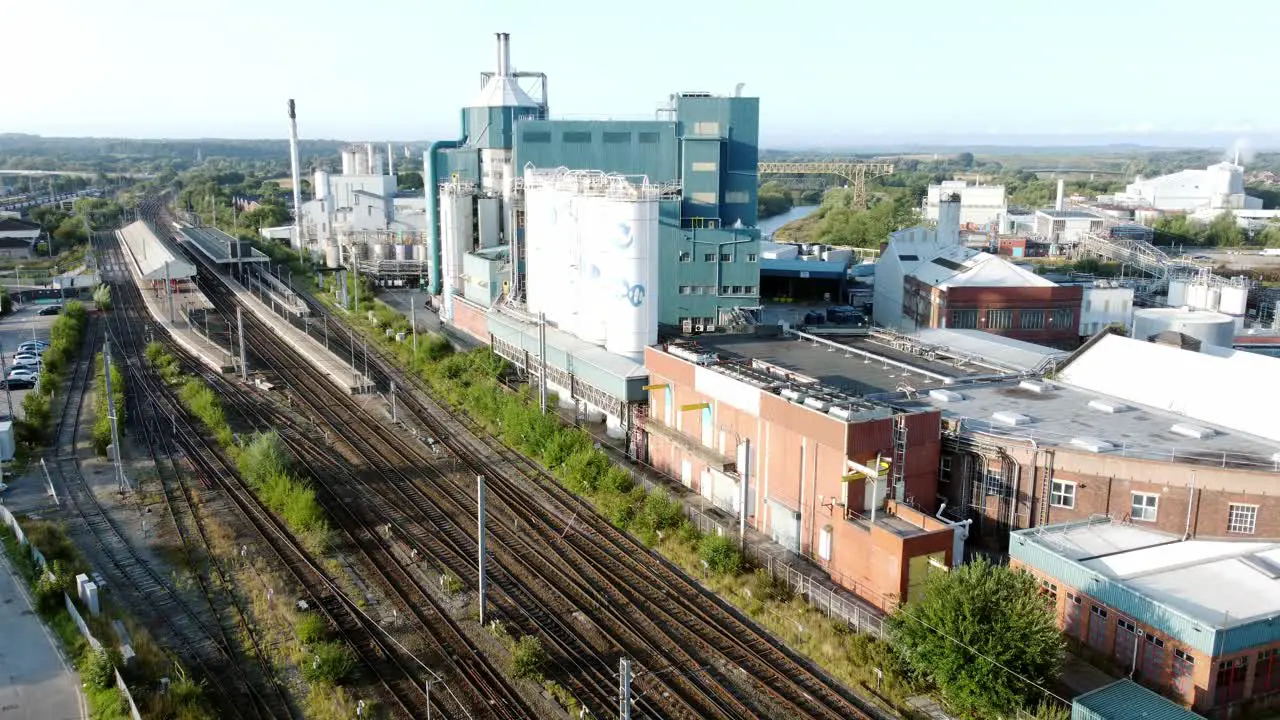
(1224, 231)
(1269, 237)
(409, 180)
(965, 159)
(984, 635)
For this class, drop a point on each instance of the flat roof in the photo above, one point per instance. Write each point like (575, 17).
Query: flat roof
(848, 372)
(1220, 584)
(1016, 355)
(1070, 214)
(1063, 414)
(217, 245)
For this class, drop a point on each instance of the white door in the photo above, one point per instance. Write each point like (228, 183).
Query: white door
(686, 473)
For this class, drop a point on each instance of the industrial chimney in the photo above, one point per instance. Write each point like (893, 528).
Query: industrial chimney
(1062, 192)
(504, 54)
(297, 179)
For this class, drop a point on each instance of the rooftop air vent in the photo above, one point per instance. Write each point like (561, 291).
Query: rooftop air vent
(841, 412)
(1108, 406)
(1006, 417)
(817, 404)
(1198, 432)
(1035, 386)
(793, 395)
(1262, 564)
(1093, 445)
(946, 396)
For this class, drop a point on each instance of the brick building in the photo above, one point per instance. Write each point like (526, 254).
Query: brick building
(849, 482)
(1192, 619)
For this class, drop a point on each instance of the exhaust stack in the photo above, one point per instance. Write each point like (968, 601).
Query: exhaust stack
(297, 179)
(1062, 191)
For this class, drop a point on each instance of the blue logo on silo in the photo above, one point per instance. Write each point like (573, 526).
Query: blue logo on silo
(625, 236)
(633, 294)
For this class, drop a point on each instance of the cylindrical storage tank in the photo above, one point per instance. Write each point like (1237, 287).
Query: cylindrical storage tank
(331, 256)
(321, 184)
(1210, 328)
(633, 323)
(1197, 296)
(539, 215)
(1177, 293)
(348, 162)
(1214, 298)
(1234, 300)
(399, 251)
(564, 302)
(597, 221)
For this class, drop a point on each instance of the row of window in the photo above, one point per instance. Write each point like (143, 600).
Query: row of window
(686, 257)
(1002, 319)
(1242, 518)
(579, 137)
(711, 289)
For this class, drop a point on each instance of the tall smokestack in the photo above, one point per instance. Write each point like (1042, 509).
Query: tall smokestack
(297, 178)
(504, 54)
(391, 161)
(1062, 193)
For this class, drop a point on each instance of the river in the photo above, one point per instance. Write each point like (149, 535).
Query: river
(769, 225)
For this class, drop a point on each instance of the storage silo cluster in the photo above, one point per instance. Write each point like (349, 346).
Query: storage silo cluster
(1211, 295)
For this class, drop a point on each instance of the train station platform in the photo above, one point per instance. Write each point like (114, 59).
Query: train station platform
(218, 246)
(338, 371)
(168, 303)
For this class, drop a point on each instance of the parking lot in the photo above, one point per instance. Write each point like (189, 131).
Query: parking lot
(24, 324)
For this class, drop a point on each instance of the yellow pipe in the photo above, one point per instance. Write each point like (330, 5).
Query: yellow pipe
(694, 406)
(659, 386)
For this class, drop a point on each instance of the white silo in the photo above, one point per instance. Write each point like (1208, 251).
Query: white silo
(1212, 299)
(1197, 296)
(1210, 328)
(538, 218)
(593, 248)
(455, 231)
(349, 161)
(1177, 293)
(1234, 300)
(633, 323)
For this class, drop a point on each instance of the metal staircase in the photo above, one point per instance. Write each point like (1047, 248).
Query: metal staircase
(898, 470)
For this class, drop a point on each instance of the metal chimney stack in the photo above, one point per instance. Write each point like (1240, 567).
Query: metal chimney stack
(504, 54)
(1062, 188)
(391, 161)
(297, 179)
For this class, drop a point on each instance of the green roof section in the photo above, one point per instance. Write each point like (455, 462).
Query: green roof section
(1127, 700)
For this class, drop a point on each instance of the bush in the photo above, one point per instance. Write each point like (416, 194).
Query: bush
(98, 668)
(102, 422)
(102, 297)
(721, 554)
(528, 658)
(311, 629)
(49, 588)
(330, 664)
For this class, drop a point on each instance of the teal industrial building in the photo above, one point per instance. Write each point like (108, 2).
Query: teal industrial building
(699, 156)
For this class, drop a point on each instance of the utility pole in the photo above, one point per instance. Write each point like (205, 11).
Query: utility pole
(745, 470)
(542, 362)
(244, 362)
(480, 542)
(123, 482)
(624, 689)
(413, 322)
(168, 290)
(393, 400)
(8, 396)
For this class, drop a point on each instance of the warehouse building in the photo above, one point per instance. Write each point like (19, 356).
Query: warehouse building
(1217, 187)
(981, 206)
(1192, 618)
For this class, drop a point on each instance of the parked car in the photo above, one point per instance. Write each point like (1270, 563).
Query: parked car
(19, 383)
(50, 310)
(31, 361)
(25, 373)
(33, 346)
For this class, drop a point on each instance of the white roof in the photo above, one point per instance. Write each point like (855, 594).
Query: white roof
(1229, 388)
(500, 91)
(946, 266)
(1220, 583)
(151, 256)
(1017, 355)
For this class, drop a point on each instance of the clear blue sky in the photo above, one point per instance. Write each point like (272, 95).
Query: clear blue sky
(843, 72)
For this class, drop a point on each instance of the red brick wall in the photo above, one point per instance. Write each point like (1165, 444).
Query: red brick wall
(1017, 299)
(471, 319)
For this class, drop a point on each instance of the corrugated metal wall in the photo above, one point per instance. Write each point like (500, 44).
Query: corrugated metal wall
(626, 147)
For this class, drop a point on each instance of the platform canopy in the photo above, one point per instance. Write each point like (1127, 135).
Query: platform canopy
(152, 257)
(219, 246)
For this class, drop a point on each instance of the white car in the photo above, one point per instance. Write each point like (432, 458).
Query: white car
(33, 346)
(27, 361)
(24, 373)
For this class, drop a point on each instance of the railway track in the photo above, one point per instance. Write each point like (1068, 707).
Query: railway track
(392, 671)
(175, 622)
(649, 580)
(701, 655)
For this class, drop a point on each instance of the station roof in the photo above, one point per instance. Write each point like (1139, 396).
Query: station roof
(221, 247)
(152, 257)
(1229, 388)
(1217, 585)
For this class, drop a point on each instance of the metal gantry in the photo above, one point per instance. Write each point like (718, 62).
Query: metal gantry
(857, 173)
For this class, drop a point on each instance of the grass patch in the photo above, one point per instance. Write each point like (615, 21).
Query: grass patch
(102, 421)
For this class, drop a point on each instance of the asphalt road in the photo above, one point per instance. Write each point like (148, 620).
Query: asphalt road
(35, 681)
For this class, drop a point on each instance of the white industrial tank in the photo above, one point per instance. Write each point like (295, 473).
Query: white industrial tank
(1213, 299)
(331, 256)
(321, 184)
(1234, 300)
(1197, 296)
(633, 324)
(399, 251)
(1210, 328)
(1177, 293)
(598, 218)
(379, 251)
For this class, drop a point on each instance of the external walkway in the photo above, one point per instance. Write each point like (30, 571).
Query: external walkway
(171, 309)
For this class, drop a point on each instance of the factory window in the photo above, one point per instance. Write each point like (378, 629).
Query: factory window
(1231, 677)
(536, 136)
(1049, 590)
(724, 289)
(999, 319)
(648, 138)
(751, 257)
(1266, 674)
(1063, 494)
(1088, 306)
(686, 256)
(1242, 519)
(684, 289)
(964, 319)
(1032, 319)
(1143, 507)
(370, 211)
(1184, 656)
(1064, 318)
(703, 166)
(737, 289)
(706, 128)
(726, 257)
(993, 483)
(944, 469)
(709, 257)
(708, 198)
(749, 289)
(576, 137)
(737, 196)
(617, 138)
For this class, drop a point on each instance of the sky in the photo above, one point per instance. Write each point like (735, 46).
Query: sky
(829, 73)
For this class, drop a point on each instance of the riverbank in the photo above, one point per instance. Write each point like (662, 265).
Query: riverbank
(768, 226)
